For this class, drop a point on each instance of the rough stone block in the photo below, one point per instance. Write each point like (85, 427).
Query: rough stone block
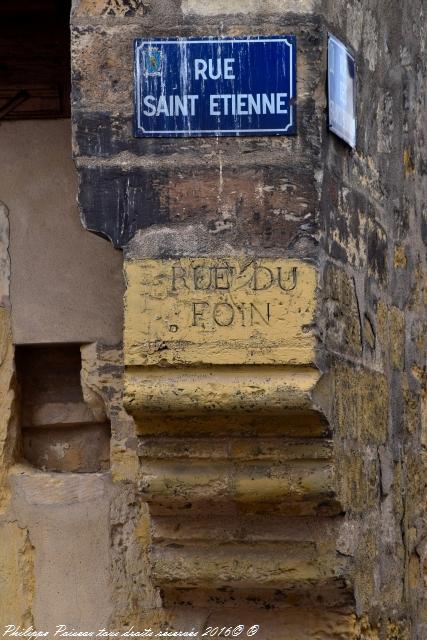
(16, 575)
(361, 404)
(234, 7)
(342, 321)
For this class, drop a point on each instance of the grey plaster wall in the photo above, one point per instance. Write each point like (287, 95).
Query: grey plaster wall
(66, 284)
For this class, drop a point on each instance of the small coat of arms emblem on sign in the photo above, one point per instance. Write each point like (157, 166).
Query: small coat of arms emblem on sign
(152, 61)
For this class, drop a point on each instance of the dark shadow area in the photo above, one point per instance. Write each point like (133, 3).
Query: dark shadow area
(34, 59)
(59, 430)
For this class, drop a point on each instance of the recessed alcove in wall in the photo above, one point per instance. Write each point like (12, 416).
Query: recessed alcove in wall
(59, 430)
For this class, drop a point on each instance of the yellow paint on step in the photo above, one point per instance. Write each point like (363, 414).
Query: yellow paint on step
(176, 482)
(192, 391)
(207, 310)
(268, 565)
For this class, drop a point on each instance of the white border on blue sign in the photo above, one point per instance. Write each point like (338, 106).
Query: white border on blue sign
(214, 131)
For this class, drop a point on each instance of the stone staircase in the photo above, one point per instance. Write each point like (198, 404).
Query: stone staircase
(241, 494)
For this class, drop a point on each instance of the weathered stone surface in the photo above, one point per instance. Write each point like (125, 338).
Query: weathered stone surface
(249, 565)
(373, 232)
(241, 310)
(224, 389)
(177, 482)
(361, 404)
(342, 316)
(114, 8)
(8, 417)
(85, 448)
(102, 385)
(391, 334)
(221, 7)
(315, 622)
(128, 184)
(59, 430)
(16, 576)
(359, 218)
(274, 203)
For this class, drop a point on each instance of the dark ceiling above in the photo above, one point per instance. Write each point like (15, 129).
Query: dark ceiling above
(34, 59)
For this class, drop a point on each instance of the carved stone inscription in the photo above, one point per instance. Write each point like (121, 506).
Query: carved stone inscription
(219, 310)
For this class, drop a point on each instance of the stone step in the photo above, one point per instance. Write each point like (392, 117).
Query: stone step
(332, 594)
(176, 482)
(292, 424)
(252, 529)
(293, 623)
(277, 449)
(219, 390)
(243, 566)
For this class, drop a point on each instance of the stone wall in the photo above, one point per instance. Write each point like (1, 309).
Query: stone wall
(61, 288)
(373, 313)
(267, 444)
(357, 217)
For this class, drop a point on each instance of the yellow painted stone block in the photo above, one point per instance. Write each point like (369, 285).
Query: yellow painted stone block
(235, 310)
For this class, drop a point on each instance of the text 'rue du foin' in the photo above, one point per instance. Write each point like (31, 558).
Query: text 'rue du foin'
(230, 310)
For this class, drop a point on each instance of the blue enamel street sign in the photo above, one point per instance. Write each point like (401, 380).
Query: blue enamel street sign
(341, 91)
(215, 86)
